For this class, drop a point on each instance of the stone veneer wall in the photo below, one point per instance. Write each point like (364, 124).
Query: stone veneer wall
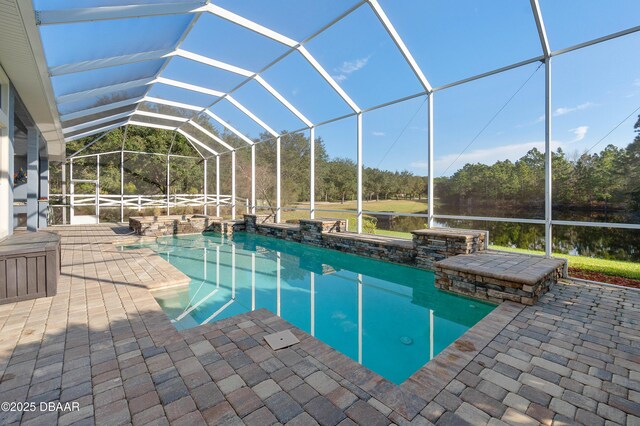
(481, 286)
(282, 231)
(391, 251)
(156, 226)
(313, 230)
(427, 247)
(433, 245)
(253, 220)
(227, 227)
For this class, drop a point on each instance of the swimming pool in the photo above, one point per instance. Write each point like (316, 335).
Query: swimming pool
(388, 317)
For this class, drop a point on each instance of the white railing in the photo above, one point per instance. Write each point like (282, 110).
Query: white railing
(145, 201)
(140, 202)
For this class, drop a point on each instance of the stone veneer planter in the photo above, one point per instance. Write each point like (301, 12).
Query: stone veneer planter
(499, 276)
(433, 245)
(156, 226)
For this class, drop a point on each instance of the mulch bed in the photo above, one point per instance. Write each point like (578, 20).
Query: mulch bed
(597, 276)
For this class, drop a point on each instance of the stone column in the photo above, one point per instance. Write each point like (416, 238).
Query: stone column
(433, 245)
(253, 220)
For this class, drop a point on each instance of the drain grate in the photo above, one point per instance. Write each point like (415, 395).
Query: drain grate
(282, 339)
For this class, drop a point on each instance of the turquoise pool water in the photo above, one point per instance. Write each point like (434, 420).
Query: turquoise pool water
(388, 317)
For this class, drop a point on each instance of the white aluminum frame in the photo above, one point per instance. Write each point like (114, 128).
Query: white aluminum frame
(197, 8)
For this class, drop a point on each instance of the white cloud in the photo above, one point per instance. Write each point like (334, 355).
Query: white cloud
(580, 132)
(567, 110)
(558, 112)
(487, 156)
(419, 165)
(376, 133)
(348, 67)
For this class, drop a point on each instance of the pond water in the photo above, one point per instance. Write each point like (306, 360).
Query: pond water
(606, 243)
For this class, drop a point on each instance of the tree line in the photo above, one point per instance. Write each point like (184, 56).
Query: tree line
(591, 180)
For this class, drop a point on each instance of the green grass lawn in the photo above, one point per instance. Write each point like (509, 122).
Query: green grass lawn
(396, 206)
(614, 268)
(302, 214)
(395, 234)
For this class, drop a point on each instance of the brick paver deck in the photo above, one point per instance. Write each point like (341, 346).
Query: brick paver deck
(103, 342)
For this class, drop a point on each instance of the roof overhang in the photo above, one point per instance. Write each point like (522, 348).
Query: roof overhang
(22, 58)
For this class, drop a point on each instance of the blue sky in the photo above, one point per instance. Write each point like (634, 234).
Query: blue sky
(593, 88)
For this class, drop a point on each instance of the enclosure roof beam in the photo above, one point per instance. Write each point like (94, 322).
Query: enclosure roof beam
(542, 32)
(212, 62)
(187, 86)
(160, 116)
(196, 141)
(596, 41)
(251, 115)
(92, 132)
(294, 45)
(90, 143)
(229, 126)
(114, 61)
(195, 148)
(172, 103)
(70, 16)
(99, 109)
(250, 25)
(206, 111)
(190, 139)
(71, 97)
(178, 43)
(283, 100)
(163, 54)
(133, 58)
(488, 73)
(152, 125)
(280, 38)
(386, 23)
(92, 123)
(211, 135)
(104, 90)
(330, 80)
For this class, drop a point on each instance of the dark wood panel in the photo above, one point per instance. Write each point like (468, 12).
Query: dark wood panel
(42, 275)
(21, 269)
(3, 279)
(53, 272)
(12, 279)
(32, 271)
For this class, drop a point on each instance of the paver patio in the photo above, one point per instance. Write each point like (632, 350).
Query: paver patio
(103, 342)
